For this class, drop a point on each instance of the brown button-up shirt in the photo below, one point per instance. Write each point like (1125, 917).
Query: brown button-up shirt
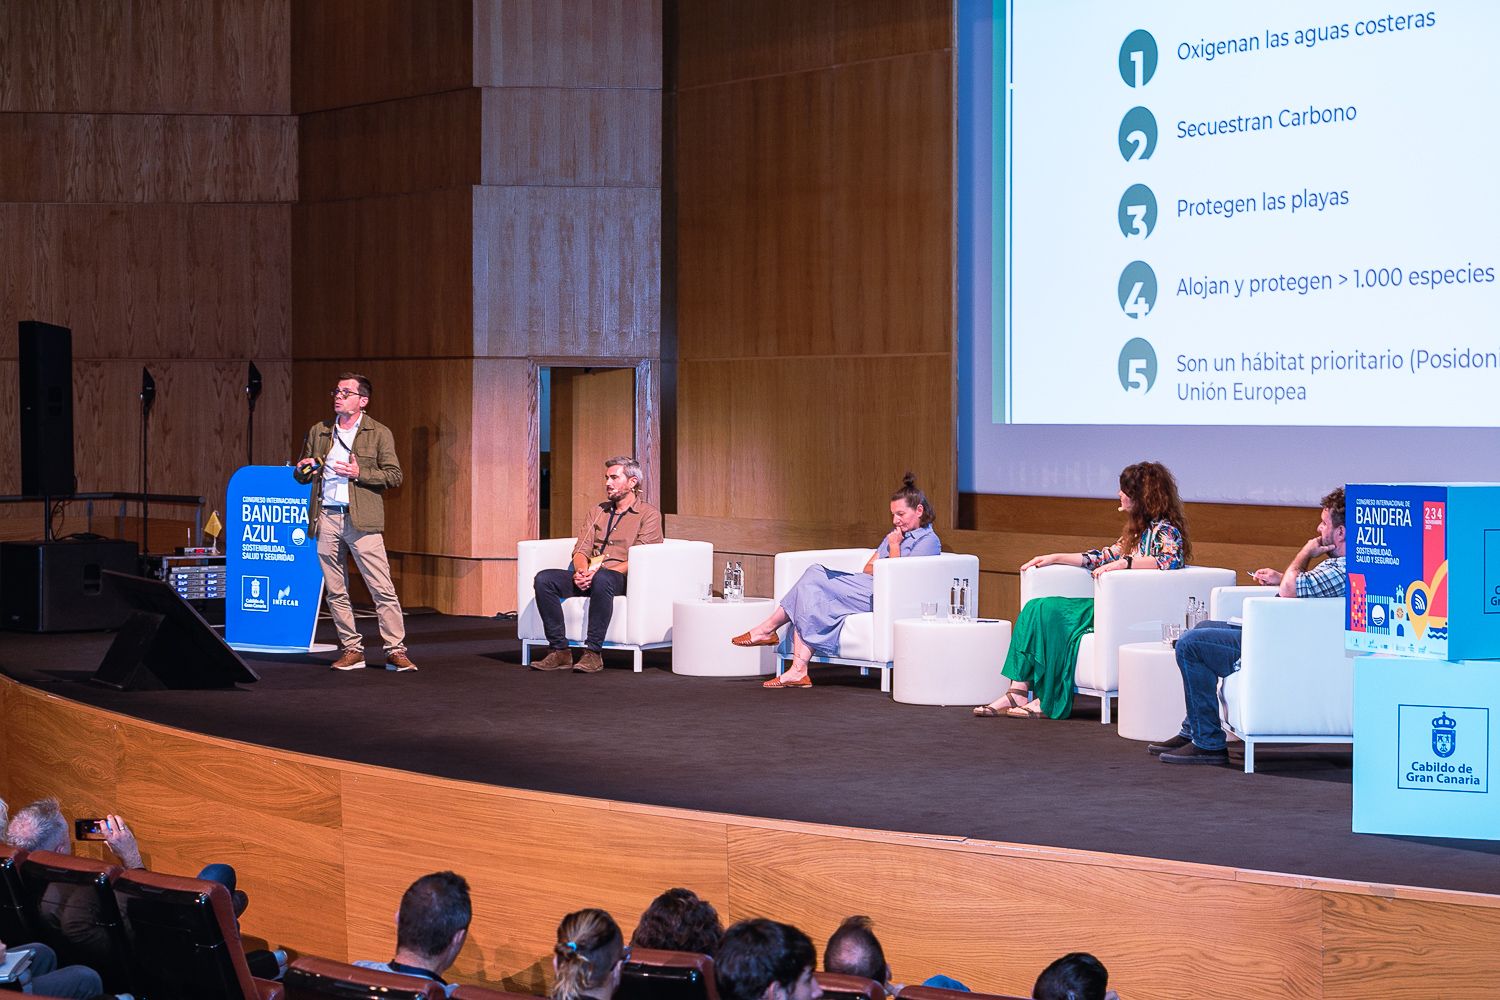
(639, 524)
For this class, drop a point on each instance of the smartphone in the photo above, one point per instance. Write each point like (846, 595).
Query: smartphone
(88, 829)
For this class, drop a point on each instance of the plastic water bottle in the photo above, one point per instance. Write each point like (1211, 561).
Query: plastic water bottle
(965, 612)
(955, 608)
(739, 581)
(729, 581)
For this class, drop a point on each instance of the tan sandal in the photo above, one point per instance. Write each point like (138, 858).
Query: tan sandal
(1011, 701)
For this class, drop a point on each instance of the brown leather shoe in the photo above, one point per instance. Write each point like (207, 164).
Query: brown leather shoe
(589, 663)
(399, 662)
(350, 659)
(558, 659)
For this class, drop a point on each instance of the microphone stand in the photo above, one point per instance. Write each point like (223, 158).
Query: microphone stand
(148, 396)
(252, 393)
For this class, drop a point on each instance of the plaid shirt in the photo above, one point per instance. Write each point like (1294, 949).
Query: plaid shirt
(1324, 580)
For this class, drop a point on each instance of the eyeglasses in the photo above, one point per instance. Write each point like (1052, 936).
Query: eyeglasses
(345, 393)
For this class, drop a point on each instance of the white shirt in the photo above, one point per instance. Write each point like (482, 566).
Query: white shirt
(335, 486)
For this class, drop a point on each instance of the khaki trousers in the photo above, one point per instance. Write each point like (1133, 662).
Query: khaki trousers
(338, 539)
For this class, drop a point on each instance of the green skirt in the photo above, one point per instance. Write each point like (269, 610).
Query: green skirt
(1044, 649)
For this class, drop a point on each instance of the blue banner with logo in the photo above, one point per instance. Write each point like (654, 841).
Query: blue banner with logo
(275, 582)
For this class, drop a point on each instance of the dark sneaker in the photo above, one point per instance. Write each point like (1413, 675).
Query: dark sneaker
(589, 663)
(558, 659)
(1167, 746)
(1194, 754)
(399, 662)
(350, 659)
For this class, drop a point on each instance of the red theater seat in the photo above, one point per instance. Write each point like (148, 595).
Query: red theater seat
(934, 993)
(185, 940)
(838, 986)
(484, 993)
(73, 909)
(15, 922)
(667, 975)
(320, 979)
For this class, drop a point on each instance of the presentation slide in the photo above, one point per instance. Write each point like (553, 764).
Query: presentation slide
(1230, 216)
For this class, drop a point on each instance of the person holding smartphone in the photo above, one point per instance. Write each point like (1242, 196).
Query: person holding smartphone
(821, 599)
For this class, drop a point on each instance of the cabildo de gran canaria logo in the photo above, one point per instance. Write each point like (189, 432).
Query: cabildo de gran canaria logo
(1444, 736)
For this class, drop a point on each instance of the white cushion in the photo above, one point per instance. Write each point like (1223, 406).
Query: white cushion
(857, 639)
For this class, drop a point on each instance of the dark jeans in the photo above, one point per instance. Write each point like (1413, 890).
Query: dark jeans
(78, 981)
(553, 586)
(1204, 655)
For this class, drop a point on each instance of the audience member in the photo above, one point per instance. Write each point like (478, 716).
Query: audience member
(432, 924)
(76, 982)
(764, 960)
(1075, 976)
(1212, 650)
(678, 920)
(1044, 644)
(588, 956)
(854, 950)
(600, 564)
(820, 601)
(41, 826)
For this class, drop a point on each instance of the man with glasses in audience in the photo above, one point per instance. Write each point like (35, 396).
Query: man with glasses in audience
(350, 460)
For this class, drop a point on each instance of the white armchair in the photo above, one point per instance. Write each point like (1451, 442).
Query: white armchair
(1129, 606)
(901, 585)
(672, 570)
(1296, 681)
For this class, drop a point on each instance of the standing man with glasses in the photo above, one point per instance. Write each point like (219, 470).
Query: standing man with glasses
(600, 563)
(350, 461)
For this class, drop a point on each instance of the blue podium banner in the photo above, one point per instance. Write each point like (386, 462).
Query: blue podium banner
(274, 583)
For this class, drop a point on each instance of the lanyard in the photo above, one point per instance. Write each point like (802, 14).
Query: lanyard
(340, 439)
(609, 528)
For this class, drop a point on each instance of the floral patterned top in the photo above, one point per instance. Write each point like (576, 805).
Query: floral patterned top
(1160, 541)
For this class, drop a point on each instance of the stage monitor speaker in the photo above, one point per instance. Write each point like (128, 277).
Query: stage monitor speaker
(165, 643)
(58, 586)
(46, 398)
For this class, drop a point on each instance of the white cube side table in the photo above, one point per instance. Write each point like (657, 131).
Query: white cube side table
(1151, 702)
(701, 631)
(939, 662)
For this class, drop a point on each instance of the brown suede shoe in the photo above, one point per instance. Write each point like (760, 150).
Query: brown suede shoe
(558, 659)
(399, 662)
(350, 659)
(589, 663)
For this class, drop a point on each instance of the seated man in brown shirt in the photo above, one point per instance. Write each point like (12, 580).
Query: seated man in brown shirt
(599, 566)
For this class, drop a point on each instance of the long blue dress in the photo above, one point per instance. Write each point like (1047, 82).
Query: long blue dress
(822, 598)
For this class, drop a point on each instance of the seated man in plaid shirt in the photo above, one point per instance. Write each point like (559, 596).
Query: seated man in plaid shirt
(1212, 650)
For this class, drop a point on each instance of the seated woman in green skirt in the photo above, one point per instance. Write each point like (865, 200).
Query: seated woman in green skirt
(1044, 646)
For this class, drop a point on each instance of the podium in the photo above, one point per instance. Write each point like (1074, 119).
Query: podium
(273, 582)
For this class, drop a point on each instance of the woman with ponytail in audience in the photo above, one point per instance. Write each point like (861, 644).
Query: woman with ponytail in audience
(819, 602)
(588, 956)
(1044, 645)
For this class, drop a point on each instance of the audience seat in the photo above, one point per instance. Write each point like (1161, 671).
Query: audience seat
(319, 979)
(901, 587)
(674, 570)
(185, 940)
(935, 993)
(73, 909)
(485, 993)
(667, 975)
(15, 922)
(838, 986)
(1296, 680)
(1128, 607)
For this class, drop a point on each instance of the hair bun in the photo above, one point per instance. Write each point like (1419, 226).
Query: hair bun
(909, 481)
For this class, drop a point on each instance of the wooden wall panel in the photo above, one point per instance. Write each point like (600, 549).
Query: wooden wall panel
(505, 453)
(795, 439)
(149, 281)
(572, 137)
(394, 147)
(570, 272)
(148, 158)
(593, 419)
(383, 277)
(724, 40)
(348, 52)
(175, 56)
(1035, 910)
(605, 44)
(325, 855)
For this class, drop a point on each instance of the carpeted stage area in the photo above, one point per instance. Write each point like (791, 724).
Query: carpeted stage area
(840, 753)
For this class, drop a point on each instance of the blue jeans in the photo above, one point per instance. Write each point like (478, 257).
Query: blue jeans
(1204, 655)
(78, 981)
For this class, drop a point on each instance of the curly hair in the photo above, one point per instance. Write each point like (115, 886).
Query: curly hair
(678, 920)
(589, 946)
(1152, 490)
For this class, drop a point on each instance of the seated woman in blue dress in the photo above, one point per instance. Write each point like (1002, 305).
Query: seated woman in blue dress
(1044, 645)
(819, 602)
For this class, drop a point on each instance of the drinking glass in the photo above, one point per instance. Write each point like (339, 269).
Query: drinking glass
(929, 611)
